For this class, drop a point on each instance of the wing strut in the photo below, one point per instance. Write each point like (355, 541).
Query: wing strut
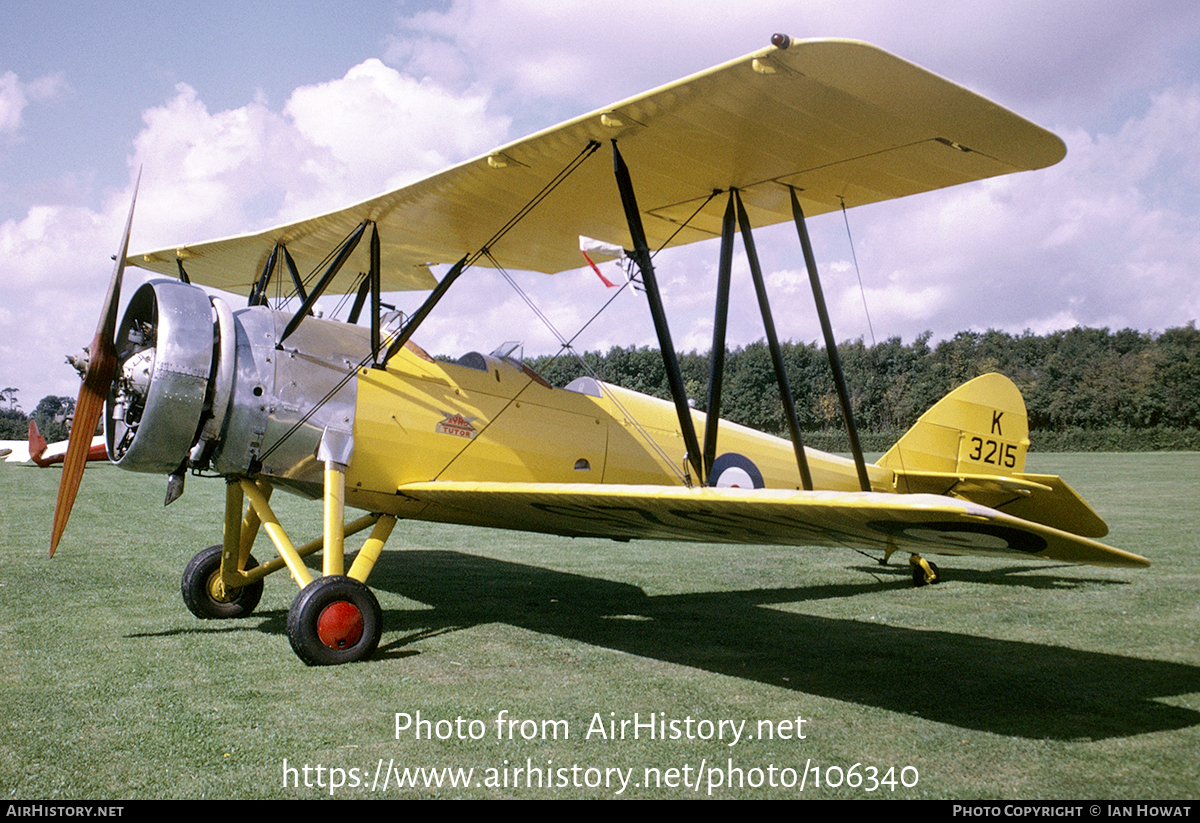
(641, 255)
(343, 255)
(360, 300)
(370, 287)
(296, 279)
(258, 290)
(764, 306)
(375, 277)
(716, 360)
(258, 293)
(432, 300)
(835, 362)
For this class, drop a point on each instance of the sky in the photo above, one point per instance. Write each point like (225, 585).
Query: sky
(243, 115)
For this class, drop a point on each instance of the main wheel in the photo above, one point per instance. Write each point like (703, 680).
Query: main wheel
(334, 619)
(199, 588)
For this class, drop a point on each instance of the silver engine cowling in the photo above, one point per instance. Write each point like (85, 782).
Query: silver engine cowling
(165, 346)
(200, 386)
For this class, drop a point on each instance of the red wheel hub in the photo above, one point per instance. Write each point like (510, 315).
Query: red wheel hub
(340, 625)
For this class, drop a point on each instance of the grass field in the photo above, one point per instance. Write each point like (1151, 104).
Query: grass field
(1009, 680)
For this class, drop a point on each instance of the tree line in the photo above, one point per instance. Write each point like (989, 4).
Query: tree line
(51, 414)
(1084, 388)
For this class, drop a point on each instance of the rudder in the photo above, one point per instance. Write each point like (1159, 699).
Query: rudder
(37, 443)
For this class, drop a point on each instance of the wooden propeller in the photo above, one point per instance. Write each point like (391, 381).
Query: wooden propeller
(102, 366)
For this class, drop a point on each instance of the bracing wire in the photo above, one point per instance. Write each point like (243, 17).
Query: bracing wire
(565, 345)
(485, 251)
(861, 289)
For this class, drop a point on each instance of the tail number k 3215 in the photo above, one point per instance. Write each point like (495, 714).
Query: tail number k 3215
(993, 452)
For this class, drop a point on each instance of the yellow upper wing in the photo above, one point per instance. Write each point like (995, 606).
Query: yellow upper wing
(836, 119)
(904, 522)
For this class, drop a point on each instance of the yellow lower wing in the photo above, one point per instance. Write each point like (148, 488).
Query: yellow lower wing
(919, 523)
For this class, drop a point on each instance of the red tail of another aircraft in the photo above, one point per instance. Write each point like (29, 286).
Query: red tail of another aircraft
(37, 445)
(45, 454)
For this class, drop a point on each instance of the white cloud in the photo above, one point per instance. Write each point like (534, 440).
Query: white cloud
(208, 174)
(205, 172)
(1109, 237)
(12, 101)
(384, 129)
(15, 96)
(45, 260)
(1038, 57)
(213, 174)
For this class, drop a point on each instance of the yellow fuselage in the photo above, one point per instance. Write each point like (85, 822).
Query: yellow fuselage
(421, 420)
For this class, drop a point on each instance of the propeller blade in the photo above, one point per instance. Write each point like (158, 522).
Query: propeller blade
(102, 366)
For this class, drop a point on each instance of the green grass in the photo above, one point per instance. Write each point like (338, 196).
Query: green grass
(1009, 680)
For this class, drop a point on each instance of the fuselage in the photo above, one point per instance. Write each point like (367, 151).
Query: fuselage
(490, 418)
(211, 388)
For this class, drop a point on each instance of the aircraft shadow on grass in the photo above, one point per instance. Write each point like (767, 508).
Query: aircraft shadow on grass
(1006, 687)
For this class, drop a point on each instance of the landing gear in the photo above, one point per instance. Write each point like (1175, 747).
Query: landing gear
(206, 599)
(335, 619)
(923, 571)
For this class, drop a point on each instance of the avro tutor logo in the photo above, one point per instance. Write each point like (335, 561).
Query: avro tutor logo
(457, 425)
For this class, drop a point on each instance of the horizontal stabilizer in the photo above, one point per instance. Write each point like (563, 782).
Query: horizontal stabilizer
(1042, 498)
(37, 443)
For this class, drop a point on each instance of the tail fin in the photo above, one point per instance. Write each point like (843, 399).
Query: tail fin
(979, 428)
(972, 444)
(37, 443)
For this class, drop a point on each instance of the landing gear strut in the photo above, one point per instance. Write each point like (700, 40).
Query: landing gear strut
(335, 619)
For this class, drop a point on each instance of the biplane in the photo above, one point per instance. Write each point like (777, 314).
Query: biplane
(354, 413)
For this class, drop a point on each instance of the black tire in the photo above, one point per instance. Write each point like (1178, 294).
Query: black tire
(197, 591)
(349, 632)
(919, 574)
